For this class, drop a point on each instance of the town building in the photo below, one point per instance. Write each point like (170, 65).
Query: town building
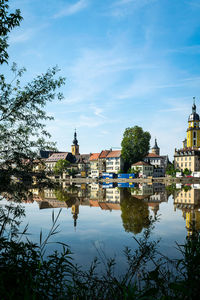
(53, 158)
(94, 165)
(158, 161)
(102, 161)
(189, 156)
(114, 162)
(80, 163)
(143, 169)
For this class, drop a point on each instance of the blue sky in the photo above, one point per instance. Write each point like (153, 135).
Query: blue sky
(126, 63)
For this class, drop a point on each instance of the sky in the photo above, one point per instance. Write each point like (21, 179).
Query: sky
(126, 63)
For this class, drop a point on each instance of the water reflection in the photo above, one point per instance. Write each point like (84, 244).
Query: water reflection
(109, 215)
(187, 199)
(134, 202)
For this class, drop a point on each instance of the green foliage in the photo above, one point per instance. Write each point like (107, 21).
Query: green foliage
(22, 115)
(135, 145)
(170, 170)
(186, 188)
(187, 172)
(61, 166)
(72, 172)
(22, 129)
(8, 20)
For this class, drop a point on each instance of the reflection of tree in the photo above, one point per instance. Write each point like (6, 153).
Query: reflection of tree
(63, 195)
(135, 213)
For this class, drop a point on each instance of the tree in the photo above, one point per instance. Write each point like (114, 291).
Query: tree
(7, 22)
(22, 115)
(61, 166)
(187, 172)
(135, 145)
(171, 170)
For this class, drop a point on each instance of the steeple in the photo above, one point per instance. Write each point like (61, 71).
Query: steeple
(193, 131)
(155, 149)
(75, 141)
(75, 146)
(194, 106)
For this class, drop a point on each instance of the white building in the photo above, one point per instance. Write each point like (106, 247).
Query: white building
(114, 162)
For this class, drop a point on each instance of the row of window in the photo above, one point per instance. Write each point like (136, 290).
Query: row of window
(182, 158)
(182, 165)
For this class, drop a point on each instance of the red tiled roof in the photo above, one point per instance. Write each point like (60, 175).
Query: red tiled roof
(115, 153)
(152, 155)
(104, 153)
(94, 156)
(140, 163)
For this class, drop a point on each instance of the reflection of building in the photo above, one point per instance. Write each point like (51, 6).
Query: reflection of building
(75, 212)
(152, 194)
(114, 195)
(97, 192)
(189, 202)
(143, 189)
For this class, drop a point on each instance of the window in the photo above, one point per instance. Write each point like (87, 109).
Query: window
(177, 158)
(185, 158)
(185, 164)
(194, 134)
(189, 158)
(190, 164)
(181, 158)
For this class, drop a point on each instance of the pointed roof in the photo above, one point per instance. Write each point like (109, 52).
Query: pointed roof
(156, 145)
(193, 116)
(75, 141)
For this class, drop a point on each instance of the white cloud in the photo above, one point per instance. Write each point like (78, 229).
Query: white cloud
(72, 9)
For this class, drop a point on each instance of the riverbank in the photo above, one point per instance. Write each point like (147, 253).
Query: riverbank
(150, 180)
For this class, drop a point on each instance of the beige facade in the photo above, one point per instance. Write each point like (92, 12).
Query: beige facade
(113, 195)
(189, 159)
(189, 203)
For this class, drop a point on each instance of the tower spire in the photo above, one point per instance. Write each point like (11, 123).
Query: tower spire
(75, 146)
(194, 106)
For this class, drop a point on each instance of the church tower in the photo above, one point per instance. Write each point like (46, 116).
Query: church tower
(75, 146)
(193, 131)
(155, 149)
